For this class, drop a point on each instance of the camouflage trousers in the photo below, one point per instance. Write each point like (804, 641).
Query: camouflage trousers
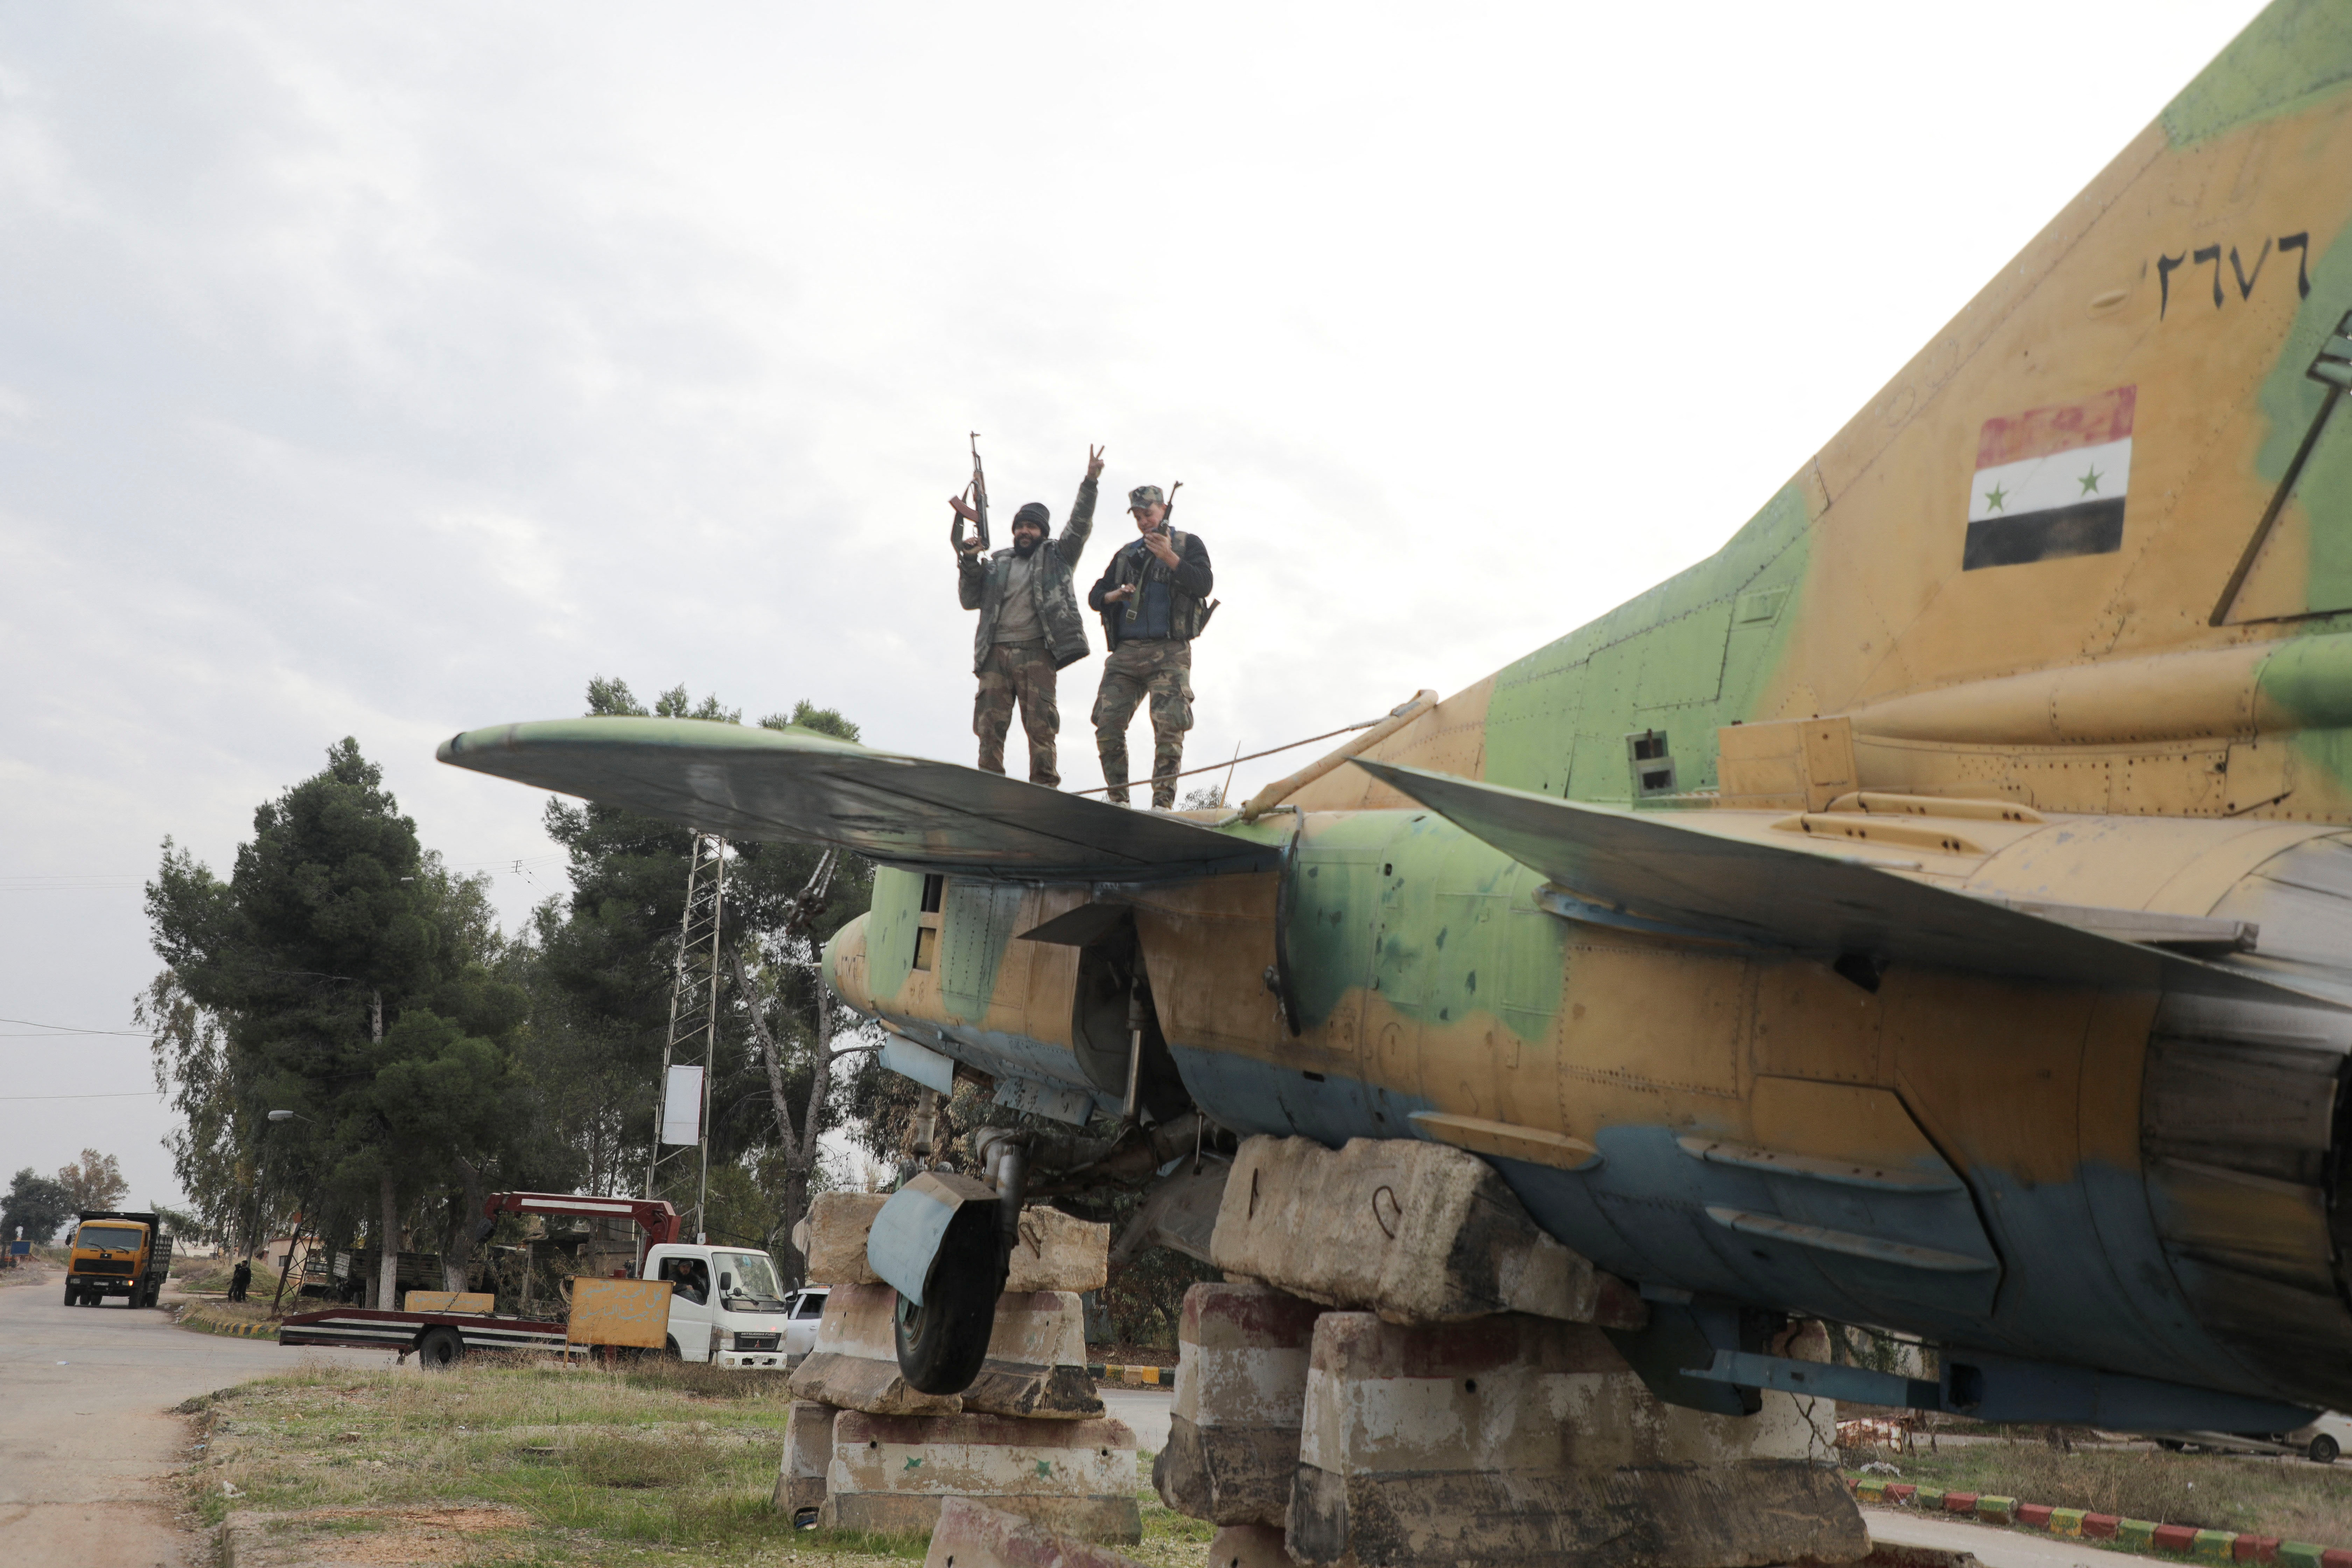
(1021, 672)
(1162, 671)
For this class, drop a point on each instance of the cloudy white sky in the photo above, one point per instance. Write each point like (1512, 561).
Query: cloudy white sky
(388, 371)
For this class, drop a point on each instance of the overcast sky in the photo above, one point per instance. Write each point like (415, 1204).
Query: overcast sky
(384, 371)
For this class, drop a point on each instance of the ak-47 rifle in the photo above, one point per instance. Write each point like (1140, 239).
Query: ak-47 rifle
(976, 493)
(1167, 510)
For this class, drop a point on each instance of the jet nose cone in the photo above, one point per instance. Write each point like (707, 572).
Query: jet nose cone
(844, 965)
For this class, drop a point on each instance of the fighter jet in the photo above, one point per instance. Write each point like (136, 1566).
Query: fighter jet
(1932, 911)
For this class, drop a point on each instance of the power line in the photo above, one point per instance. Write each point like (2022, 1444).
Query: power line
(109, 1094)
(68, 1029)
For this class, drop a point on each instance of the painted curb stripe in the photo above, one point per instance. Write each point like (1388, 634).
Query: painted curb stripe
(2180, 1540)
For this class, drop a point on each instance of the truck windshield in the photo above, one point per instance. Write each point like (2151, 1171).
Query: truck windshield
(124, 1236)
(754, 1275)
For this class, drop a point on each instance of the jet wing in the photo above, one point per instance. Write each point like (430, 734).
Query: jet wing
(1672, 875)
(792, 786)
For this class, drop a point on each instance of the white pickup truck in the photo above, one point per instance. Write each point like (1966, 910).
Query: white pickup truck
(728, 1308)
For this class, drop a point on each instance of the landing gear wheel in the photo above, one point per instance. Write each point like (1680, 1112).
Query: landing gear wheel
(2323, 1449)
(943, 1342)
(73, 1297)
(670, 1350)
(440, 1349)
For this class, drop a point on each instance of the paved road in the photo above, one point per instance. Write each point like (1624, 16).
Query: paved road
(88, 1437)
(1995, 1546)
(1145, 1410)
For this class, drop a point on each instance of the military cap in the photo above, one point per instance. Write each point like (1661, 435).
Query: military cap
(1034, 513)
(1145, 495)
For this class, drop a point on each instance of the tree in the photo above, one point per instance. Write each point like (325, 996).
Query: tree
(94, 1182)
(341, 972)
(602, 967)
(37, 1204)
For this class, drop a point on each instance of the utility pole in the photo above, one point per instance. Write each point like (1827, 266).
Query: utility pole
(691, 1050)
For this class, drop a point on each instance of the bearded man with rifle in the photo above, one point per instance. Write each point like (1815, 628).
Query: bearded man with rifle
(1030, 627)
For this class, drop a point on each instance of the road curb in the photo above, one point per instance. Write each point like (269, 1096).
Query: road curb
(1150, 1376)
(198, 1322)
(2145, 1536)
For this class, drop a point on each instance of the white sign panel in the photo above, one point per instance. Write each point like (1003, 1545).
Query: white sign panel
(681, 1119)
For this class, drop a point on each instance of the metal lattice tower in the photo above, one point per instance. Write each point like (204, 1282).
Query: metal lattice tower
(693, 1040)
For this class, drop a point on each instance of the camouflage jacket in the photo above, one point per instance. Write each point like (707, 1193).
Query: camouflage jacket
(980, 584)
(1189, 581)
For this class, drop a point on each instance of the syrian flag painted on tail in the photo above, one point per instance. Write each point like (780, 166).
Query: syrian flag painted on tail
(2050, 482)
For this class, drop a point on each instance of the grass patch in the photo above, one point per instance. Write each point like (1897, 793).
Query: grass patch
(607, 1464)
(205, 1274)
(2293, 1499)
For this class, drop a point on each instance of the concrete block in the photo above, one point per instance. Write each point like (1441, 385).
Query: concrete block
(1036, 1365)
(974, 1535)
(2067, 1521)
(808, 1451)
(2136, 1534)
(889, 1475)
(1419, 1232)
(1056, 1251)
(1884, 1555)
(854, 1362)
(1248, 1546)
(837, 1224)
(2100, 1526)
(2255, 1549)
(1514, 1439)
(1996, 1510)
(1241, 1393)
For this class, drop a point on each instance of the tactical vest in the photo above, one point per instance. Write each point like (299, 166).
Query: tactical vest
(1186, 615)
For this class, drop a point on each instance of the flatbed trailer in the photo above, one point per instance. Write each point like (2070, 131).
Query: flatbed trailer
(723, 1303)
(436, 1339)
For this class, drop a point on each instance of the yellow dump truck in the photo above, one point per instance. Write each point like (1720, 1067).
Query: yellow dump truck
(117, 1254)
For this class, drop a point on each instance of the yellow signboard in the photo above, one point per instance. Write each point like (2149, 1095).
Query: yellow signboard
(620, 1313)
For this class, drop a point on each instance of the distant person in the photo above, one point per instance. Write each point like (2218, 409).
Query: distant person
(1030, 628)
(238, 1279)
(1151, 598)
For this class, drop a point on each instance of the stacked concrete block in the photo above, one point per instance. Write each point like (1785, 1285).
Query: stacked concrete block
(1055, 1251)
(1036, 1363)
(1248, 1546)
(808, 1453)
(1462, 1405)
(1241, 1391)
(854, 1363)
(974, 1535)
(892, 1473)
(1419, 1232)
(1029, 1434)
(1512, 1440)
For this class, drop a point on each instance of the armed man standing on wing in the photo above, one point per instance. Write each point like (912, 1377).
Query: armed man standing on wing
(1150, 597)
(1029, 624)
